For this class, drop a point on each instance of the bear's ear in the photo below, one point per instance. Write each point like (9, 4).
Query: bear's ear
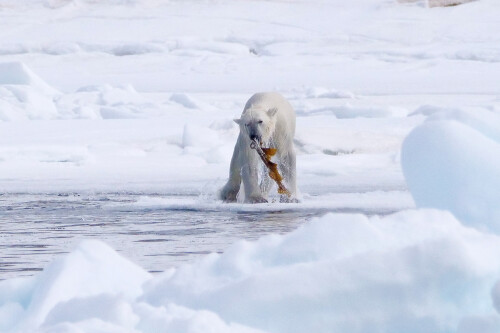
(238, 121)
(272, 112)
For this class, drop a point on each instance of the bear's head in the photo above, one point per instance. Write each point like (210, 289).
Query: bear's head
(258, 124)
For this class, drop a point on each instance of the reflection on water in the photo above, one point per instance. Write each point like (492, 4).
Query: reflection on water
(37, 228)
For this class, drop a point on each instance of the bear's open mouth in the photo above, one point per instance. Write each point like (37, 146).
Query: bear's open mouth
(254, 143)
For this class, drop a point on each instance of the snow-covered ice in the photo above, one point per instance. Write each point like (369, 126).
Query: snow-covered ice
(414, 271)
(452, 162)
(398, 110)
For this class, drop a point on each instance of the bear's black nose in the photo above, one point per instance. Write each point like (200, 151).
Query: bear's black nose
(254, 137)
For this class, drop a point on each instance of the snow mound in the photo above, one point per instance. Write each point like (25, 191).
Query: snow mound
(322, 92)
(452, 162)
(18, 102)
(94, 268)
(106, 102)
(414, 271)
(137, 48)
(24, 95)
(17, 73)
(94, 289)
(411, 272)
(184, 100)
(349, 112)
(428, 110)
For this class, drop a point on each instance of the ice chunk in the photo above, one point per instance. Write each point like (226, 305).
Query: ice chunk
(105, 307)
(25, 102)
(17, 73)
(185, 100)
(92, 269)
(322, 92)
(23, 95)
(410, 272)
(452, 162)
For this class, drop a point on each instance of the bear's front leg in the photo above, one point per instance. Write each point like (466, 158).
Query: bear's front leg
(229, 192)
(250, 176)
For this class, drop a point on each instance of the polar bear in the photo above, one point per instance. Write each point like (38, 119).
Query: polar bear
(270, 119)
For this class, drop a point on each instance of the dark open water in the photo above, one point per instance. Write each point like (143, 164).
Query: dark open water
(35, 228)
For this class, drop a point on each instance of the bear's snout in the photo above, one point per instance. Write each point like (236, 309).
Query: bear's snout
(254, 136)
(254, 133)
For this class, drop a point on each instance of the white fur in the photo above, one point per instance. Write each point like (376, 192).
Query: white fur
(273, 118)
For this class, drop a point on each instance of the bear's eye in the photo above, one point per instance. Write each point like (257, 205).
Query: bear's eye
(247, 125)
(260, 121)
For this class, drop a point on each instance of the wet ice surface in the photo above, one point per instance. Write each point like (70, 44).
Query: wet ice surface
(38, 227)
